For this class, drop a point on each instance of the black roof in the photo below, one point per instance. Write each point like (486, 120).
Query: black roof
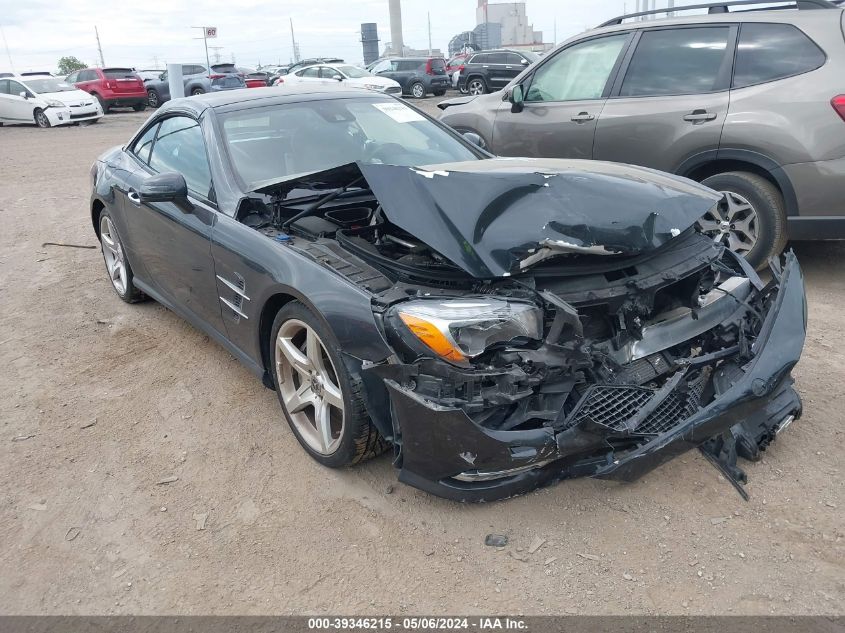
(229, 100)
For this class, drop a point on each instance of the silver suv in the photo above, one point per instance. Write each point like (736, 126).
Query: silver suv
(748, 102)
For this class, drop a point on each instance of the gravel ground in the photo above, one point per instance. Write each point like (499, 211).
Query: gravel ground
(103, 401)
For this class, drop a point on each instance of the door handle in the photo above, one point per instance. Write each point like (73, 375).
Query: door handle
(134, 198)
(581, 117)
(699, 115)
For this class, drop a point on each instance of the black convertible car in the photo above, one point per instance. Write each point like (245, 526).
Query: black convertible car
(501, 323)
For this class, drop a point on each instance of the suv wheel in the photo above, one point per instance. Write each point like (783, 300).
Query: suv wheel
(417, 90)
(197, 91)
(153, 99)
(476, 86)
(103, 104)
(751, 221)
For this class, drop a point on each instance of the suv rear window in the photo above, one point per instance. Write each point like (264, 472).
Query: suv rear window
(676, 62)
(119, 73)
(437, 64)
(772, 51)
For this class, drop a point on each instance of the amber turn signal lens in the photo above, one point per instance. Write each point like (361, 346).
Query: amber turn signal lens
(432, 337)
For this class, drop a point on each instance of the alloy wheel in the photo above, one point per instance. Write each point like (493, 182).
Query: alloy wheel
(733, 223)
(418, 90)
(476, 87)
(152, 98)
(113, 254)
(41, 119)
(309, 386)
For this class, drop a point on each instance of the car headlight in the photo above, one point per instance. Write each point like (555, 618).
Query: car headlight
(374, 87)
(458, 329)
(53, 103)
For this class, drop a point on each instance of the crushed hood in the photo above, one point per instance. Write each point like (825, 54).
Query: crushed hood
(500, 216)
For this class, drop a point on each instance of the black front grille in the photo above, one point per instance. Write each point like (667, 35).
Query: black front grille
(611, 406)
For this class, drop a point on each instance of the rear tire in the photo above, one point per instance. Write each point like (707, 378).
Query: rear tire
(139, 107)
(439, 93)
(153, 99)
(103, 104)
(768, 225)
(476, 86)
(197, 91)
(357, 439)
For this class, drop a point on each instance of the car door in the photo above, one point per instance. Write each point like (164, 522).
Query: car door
(563, 99)
(173, 240)
(13, 107)
(670, 101)
(514, 64)
(498, 75)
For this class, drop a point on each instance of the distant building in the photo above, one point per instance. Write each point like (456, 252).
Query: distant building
(515, 30)
(499, 25)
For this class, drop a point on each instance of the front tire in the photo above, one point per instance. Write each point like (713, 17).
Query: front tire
(117, 266)
(417, 90)
(320, 399)
(41, 119)
(751, 221)
(153, 99)
(139, 107)
(197, 91)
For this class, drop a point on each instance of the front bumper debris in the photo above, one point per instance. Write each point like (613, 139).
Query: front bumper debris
(441, 450)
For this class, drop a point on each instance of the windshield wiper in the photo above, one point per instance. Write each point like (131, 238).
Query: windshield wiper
(311, 208)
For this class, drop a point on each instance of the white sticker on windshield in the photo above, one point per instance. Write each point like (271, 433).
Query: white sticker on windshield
(399, 112)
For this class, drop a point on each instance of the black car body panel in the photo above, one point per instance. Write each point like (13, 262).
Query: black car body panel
(669, 343)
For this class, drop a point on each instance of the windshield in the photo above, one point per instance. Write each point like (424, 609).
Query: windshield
(47, 85)
(280, 141)
(354, 72)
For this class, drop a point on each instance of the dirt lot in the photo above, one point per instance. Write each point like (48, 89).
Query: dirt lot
(102, 400)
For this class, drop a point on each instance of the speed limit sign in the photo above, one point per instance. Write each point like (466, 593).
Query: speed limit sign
(210, 31)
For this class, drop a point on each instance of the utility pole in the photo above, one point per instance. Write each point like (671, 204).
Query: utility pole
(8, 54)
(429, 33)
(554, 41)
(99, 48)
(216, 53)
(293, 43)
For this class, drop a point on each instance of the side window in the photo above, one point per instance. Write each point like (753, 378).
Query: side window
(144, 144)
(497, 58)
(313, 71)
(4, 87)
(179, 147)
(514, 59)
(481, 58)
(16, 89)
(578, 72)
(676, 61)
(71, 78)
(383, 66)
(88, 75)
(772, 51)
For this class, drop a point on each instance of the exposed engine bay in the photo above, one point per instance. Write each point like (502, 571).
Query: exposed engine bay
(575, 350)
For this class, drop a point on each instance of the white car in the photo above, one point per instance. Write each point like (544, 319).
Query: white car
(341, 73)
(45, 101)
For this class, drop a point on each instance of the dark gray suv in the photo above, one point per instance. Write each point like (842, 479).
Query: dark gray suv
(748, 102)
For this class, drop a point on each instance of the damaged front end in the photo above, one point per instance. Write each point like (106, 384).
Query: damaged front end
(550, 319)
(626, 369)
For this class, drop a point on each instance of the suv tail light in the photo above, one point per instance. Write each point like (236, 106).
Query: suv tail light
(111, 85)
(838, 104)
(216, 76)
(428, 69)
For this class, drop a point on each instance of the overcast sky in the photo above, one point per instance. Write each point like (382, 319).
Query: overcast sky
(134, 33)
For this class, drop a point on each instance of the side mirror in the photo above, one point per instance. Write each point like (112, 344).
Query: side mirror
(517, 98)
(473, 138)
(337, 77)
(23, 94)
(168, 187)
(524, 62)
